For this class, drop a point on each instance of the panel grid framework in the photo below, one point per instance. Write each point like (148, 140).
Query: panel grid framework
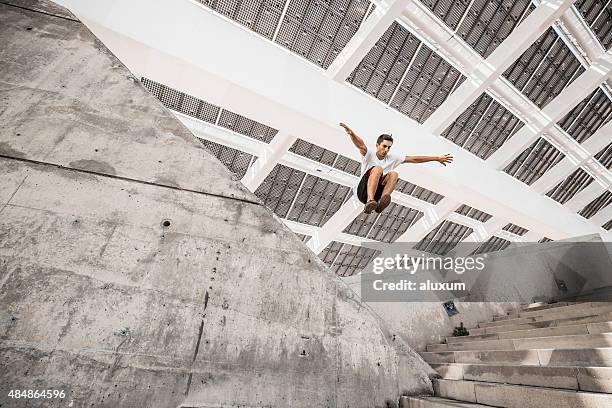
(607, 226)
(384, 227)
(345, 259)
(418, 192)
(515, 229)
(598, 15)
(473, 213)
(324, 156)
(182, 102)
(404, 73)
(279, 189)
(491, 245)
(569, 187)
(261, 16)
(318, 30)
(443, 238)
(545, 69)
(245, 126)
(597, 204)
(236, 161)
(534, 161)
(317, 200)
(605, 157)
(544, 240)
(588, 116)
(483, 127)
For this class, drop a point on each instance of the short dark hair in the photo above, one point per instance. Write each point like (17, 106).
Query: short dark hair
(382, 137)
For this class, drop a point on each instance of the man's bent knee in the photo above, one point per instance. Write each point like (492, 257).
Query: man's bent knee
(377, 169)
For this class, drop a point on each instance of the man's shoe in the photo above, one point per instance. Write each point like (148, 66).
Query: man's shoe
(370, 206)
(383, 203)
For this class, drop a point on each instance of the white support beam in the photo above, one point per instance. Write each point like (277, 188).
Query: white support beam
(335, 225)
(290, 94)
(264, 164)
(585, 196)
(602, 216)
(481, 73)
(365, 38)
(554, 111)
(430, 220)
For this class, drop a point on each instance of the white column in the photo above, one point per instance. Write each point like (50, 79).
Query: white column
(264, 164)
(335, 225)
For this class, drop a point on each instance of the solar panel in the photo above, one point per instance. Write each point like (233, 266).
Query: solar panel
(534, 161)
(597, 204)
(588, 116)
(598, 15)
(386, 226)
(569, 187)
(473, 213)
(515, 229)
(491, 245)
(443, 238)
(236, 161)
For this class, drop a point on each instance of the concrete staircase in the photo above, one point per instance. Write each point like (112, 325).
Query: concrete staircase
(546, 355)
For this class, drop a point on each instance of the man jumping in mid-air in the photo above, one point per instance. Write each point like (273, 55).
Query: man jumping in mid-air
(378, 177)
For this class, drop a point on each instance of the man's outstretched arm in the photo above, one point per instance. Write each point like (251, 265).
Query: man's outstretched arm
(357, 141)
(443, 160)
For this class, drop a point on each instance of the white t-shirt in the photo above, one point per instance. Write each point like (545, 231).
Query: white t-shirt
(389, 163)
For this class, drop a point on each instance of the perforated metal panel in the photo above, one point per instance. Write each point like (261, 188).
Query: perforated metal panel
(588, 116)
(381, 70)
(534, 161)
(318, 30)
(330, 252)
(385, 227)
(605, 156)
(545, 69)
(261, 16)
(598, 15)
(597, 204)
(181, 102)
(493, 244)
(449, 11)
(317, 200)
(489, 22)
(236, 161)
(246, 126)
(443, 238)
(483, 127)
(324, 156)
(473, 213)
(419, 192)
(607, 226)
(427, 83)
(515, 229)
(545, 239)
(352, 259)
(569, 187)
(280, 188)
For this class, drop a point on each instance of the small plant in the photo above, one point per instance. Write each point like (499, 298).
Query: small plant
(460, 331)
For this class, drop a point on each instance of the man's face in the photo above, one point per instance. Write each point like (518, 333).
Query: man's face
(382, 149)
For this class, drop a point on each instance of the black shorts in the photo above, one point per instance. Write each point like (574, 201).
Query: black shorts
(362, 188)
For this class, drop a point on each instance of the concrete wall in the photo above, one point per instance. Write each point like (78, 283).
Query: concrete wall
(219, 306)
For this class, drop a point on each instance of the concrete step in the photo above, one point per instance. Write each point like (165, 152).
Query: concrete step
(434, 402)
(566, 341)
(554, 314)
(595, 379)
(518, 396)
(555, 310)
(584, 328)
(593, 357)
(546, 323)
(542, 306)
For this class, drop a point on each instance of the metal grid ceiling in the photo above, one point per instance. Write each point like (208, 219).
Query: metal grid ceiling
(605, 156)
(491, 245)
(317, 200)
(515, 229)
(449, 11)
(545, 69)
(483, 127)
(589, 115)
(473, 213)
(488, 22)
(345, 259)
(236, 161)
(534, 161)
(182, 102)
(384, 227)
(319, 29)
(443, 238)
(607, 226)
(419, 192)
(324, 156)
(261, 16)
(399, 70)
(545, 239)
(245, 126)
(598, 15)
(569, 187)
(279, 189)
(597, 204)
